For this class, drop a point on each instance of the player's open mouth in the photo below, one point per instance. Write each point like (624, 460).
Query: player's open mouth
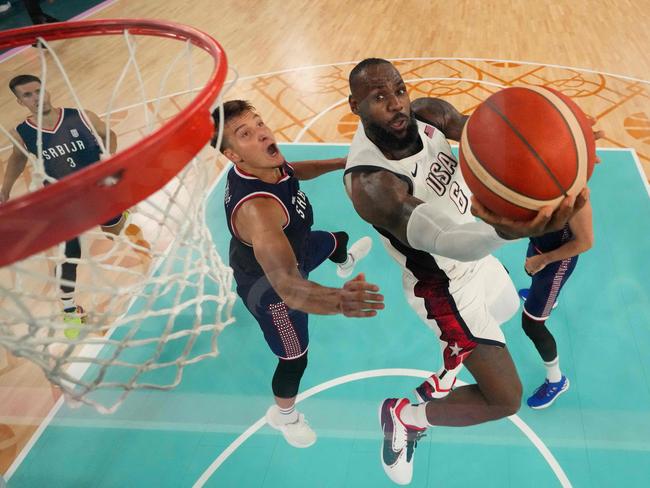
(272, 150)
(399, 124)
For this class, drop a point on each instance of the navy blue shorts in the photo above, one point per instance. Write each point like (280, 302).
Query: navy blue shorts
(285, 329)
(546, 285)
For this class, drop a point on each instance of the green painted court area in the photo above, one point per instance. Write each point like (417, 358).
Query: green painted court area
(597, 434)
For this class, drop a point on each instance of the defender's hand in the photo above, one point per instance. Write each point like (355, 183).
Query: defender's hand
(360, 298)
(535, 264)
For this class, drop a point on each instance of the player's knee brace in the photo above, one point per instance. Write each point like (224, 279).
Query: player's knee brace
(542, 338)
(288, 374)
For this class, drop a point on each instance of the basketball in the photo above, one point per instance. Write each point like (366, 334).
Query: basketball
(525, 148)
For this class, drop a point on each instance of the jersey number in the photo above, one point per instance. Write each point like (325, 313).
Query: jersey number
(458, 197)
(71, 162)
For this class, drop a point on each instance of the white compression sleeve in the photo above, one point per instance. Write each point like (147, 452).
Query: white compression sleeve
(434, 232)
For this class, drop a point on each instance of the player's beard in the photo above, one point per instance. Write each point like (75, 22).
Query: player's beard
(388, 140)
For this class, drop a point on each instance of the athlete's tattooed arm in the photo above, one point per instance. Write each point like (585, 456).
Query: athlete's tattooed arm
(441, 114)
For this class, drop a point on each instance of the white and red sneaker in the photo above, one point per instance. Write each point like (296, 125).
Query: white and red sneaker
(399, 442)
(435, 387)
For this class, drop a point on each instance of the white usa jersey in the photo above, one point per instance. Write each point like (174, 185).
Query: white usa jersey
(433, 175)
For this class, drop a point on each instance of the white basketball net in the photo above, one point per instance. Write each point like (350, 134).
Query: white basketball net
(157, 296)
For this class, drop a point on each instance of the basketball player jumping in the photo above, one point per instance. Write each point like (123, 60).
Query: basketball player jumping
(403, 179)
(550, 261)
(273, 249)
(68, 146)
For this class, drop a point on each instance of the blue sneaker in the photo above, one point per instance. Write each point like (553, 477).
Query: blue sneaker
(546, 394)
(523, 294)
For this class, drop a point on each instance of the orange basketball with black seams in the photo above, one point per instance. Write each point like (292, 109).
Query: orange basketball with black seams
(524, 148)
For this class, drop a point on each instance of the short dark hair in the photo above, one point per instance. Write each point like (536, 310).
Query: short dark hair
(231, 109)
(361, 67)
(21, 80)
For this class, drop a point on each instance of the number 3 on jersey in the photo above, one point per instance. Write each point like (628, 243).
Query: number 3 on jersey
(458, 197)
(71, 162)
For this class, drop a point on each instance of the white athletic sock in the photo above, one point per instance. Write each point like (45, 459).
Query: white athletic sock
(415, 415)
(287, 415)
(446, 376)
(553, 373)
(68, 304)
(349, 262)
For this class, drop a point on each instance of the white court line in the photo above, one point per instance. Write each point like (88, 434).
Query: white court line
(379, 373)
(635, 156)
(527, 63)
(33, 439)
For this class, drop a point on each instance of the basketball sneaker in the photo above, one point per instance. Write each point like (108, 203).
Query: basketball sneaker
(297, 434)
(356, 253)
(399, 442)
(546, 394)
(523, 294)
(435, 387)
(75, 318)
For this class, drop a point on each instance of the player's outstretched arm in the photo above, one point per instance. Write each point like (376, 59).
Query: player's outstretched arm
(306, 170)
(15, 167)
(441, 114)
(100, 127)
(383, 200)
(259, 221)
(547, 220)
(583, 239)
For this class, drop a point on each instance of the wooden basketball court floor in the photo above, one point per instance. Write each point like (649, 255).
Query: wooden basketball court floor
(293, 61)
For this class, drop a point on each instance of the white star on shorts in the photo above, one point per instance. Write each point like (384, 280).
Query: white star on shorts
(455, 350)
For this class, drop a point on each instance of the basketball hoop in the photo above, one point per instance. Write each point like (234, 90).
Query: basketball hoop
(167, 177)
(135, 173)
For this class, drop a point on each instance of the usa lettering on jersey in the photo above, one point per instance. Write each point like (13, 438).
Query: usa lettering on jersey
(439, 177)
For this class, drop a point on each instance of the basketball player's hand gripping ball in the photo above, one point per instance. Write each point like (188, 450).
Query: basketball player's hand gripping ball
(527, 151)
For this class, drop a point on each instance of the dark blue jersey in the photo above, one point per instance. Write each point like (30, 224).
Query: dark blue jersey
(242, 187)
(68, 147)
(552, 240)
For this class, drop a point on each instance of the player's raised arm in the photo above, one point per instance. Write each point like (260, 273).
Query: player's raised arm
(383, 200)
(306, 170)
(441, 114)
(259, 221)
(15, 167)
